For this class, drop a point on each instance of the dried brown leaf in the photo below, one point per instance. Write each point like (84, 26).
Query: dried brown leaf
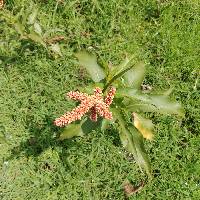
(55, 39)
(130, 189)
(1, 4)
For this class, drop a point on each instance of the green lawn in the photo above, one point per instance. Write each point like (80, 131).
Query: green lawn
(34, 164)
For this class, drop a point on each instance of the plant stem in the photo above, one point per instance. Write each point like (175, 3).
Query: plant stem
(118, 75)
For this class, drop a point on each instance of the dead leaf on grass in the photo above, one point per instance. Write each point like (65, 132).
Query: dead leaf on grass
(55, 39)
(1, 4)
(130, 189)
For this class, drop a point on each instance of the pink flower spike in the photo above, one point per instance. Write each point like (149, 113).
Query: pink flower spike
(97, 91)
(110, 96)
(94, 102)
(93, 115)
(77, 95)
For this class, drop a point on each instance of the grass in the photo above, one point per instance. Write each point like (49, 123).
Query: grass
(34, 165)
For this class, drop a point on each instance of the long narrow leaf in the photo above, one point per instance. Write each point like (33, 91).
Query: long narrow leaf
(132, 140)
(119, 75)
(141, 155)
(165, 105)
(152, 103)
(141, 107)
(122, 66)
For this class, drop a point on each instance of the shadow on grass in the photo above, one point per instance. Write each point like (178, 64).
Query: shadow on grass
(46, 135)
(25, 49)
(42, 137)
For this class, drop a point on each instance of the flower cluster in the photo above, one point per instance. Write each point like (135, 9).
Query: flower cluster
(94, 102)
(110, 96)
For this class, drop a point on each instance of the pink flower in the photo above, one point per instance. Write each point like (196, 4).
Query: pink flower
(93, 115)
(110, 96)
(94, 102)
(101, 108)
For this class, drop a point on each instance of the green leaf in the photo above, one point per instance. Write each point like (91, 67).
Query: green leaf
(117, 69)
(141, 107)
(70, 131)
(90, 88)
(114, 76)
(133, 94)
(132, 140)
(150, 103)
(134, 77)
(140, 153)
(168, 92)
(89, 61)
(166, 106)
(126, 92)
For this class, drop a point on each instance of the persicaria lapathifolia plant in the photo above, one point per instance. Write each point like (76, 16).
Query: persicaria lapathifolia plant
(116, 97)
